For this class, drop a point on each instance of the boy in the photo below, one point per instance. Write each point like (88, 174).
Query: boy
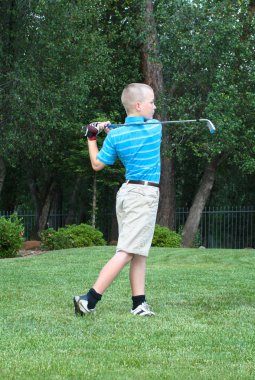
(138, 147)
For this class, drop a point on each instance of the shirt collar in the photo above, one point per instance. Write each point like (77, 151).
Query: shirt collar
(134, 119)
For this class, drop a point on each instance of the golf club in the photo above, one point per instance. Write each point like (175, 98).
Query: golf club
(209, 124)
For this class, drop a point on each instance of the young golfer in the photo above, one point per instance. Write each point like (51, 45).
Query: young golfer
(138, 148)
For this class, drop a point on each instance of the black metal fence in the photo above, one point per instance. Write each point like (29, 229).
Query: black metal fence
(229, 227)
(55, 220)
(232, 227)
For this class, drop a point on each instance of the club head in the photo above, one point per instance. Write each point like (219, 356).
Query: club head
(84, 130)
(210, 126)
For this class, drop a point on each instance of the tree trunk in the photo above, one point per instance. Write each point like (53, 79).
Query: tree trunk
(94, 201)
(34, 191)
(2, 173)
(153, 76)
(166, 211)
(202, 195)
(72, 211)
(57, 208)
(114, 223)
(44, 216)
(42, 207)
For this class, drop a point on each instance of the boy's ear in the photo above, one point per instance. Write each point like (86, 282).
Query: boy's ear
(138, 106)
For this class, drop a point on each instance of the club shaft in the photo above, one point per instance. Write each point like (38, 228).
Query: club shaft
(159, 122)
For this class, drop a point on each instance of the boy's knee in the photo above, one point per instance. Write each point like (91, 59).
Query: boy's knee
(128, 256)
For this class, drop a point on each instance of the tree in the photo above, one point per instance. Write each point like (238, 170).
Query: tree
(63, 77)
(153, 76)
(12, 17)
(65, 63)
(2, 173)
(208, 72)
(51, 88)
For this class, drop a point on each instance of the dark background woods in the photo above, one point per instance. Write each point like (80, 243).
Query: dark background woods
(65, 63)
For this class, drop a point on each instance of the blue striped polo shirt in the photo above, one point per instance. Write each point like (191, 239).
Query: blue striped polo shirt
(138, 148)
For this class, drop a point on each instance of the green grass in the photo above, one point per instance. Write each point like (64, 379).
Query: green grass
(204, 327)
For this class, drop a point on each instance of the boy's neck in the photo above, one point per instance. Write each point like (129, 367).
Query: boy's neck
(134, 114)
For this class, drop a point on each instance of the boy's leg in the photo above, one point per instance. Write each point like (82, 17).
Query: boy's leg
(137, 281)
(86, 303)
(137, 275)
(111, 270)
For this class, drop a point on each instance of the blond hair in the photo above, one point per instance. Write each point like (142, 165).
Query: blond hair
(132, 93)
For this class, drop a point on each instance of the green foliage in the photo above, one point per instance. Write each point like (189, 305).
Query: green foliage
(212, 75)
(11, 232)
(59, 79)
(163, 237)
(53, 80)
(73, 236)
(197, 241)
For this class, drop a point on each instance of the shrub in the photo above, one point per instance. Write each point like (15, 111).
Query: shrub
(164, 237)
(73, 236)
(51, 239)
(11, 232)
(197, 241)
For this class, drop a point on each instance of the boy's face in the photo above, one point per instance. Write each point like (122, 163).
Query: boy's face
(147, 107)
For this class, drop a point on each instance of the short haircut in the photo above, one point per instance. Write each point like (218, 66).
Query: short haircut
(132, 93)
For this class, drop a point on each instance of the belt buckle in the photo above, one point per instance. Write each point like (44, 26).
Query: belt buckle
(146, 183)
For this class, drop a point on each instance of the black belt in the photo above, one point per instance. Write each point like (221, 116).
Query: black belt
(147, 183)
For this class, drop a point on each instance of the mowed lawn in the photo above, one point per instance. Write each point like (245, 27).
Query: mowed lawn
(204, 326)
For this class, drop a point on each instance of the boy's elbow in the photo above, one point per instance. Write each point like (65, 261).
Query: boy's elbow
(97, 166)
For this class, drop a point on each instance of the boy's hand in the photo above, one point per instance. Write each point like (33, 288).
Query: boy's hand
(93, 129)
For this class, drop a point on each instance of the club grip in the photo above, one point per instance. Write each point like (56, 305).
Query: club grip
(111, 126)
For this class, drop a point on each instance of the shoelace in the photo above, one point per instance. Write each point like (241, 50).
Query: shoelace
(146, 306)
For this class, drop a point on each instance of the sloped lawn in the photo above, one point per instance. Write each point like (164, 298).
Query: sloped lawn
(204, 327)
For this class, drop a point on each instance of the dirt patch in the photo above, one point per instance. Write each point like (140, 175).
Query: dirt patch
(31, 248)
(31, 245)
(27, 252)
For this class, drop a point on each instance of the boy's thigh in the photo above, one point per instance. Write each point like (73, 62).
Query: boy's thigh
(136, 210)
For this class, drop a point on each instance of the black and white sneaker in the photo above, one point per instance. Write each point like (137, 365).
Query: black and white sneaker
(143, 310)
(81, 305)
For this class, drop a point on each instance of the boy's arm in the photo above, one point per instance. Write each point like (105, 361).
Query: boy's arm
(93, 151)
(92, 145)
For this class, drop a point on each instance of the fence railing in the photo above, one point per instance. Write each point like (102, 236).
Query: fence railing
(55, 220)
(232, 227)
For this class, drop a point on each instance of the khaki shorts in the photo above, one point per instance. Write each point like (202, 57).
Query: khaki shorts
(136, 208)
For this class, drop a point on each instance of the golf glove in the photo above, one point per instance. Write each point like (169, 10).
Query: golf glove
(92, 130)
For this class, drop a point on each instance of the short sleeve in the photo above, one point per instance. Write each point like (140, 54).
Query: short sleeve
(108, 153)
